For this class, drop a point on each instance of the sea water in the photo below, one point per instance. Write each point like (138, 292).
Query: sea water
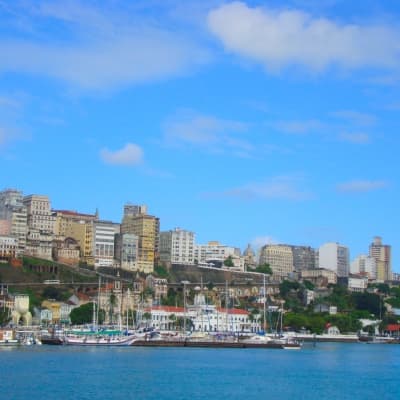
(326, 371)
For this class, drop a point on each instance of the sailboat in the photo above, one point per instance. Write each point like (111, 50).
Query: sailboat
(97, 336)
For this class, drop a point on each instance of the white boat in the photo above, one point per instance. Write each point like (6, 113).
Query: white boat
(99, 340)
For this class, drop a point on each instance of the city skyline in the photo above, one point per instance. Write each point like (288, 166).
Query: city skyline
(245, 122)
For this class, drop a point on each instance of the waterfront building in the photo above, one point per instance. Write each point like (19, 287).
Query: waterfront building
(177, 247)
(364, 264)
(280, 259)
(334, 257)
(147, 228)
(303, 257)
(126, 251)
(382, 255)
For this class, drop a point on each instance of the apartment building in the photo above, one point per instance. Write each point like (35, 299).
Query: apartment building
(177, 247)
(383, 258)
(334, 257)
(147, 228)
(280, 259)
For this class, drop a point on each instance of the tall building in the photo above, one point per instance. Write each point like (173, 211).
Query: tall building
(177, 246)
(147, 228)
(303, 257)
(40, 217)
(364, 265)
(78, 226)
(41, 225)
(103, 244)
(382, 255)
(334, 257)
(134, 209)
(280, 259)
(126, 251)
(14, 215)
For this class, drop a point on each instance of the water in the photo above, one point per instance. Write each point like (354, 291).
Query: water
(329, 371)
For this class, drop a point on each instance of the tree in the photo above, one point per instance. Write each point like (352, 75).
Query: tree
(264, 269)
(229, 262)
(112, 303)
(82, 315)
(4, 316)
(147, 317)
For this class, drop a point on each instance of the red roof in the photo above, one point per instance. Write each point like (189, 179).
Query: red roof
(393, 327)
(234, 311)
(167, 309)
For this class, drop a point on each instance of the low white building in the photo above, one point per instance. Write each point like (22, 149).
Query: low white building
(357, 283)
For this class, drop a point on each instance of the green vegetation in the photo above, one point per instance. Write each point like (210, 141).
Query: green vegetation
(264, 269)
(229, 262)
(161, 271)
(84, 315)
(4, 316)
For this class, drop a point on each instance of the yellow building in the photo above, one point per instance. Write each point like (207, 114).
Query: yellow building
(55, 308)
(147, 228)
(79, 227)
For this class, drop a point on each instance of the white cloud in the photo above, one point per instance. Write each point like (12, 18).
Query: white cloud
(280, 38)
(261, 241)
(299, 127)
(130, 155)
(277, 188)
(207, 132)
(356, 117)
(101, 48)
(356, 138)
(360, 186)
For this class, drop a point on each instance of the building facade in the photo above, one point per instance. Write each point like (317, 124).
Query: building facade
(280, 259)
(126, 251)
(334, 257)
(177, 247)
(364, 265)
(303, 257)
(383, 258)
(103, 243)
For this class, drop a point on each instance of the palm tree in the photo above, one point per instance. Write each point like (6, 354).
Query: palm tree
(173, 319)
(147, 317)
(112, 302)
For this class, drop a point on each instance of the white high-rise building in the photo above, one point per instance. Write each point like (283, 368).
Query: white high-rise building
(126, 251)
(177, 246)
(364, 264)
(335, 257)
(103, 243)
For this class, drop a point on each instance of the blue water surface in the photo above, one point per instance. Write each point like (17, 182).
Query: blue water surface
(328, 371)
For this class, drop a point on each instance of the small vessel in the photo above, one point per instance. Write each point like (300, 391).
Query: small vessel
(8, 338)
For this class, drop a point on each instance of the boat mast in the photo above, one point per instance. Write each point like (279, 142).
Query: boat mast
(265, 307)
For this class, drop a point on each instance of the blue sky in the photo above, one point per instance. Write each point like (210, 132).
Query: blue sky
(245, 122)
